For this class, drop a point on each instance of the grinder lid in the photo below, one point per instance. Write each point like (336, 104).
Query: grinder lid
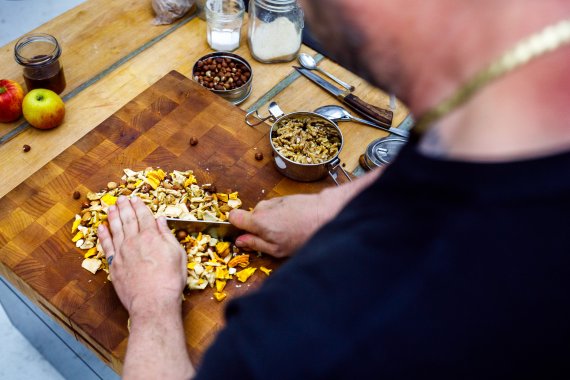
(383, 151)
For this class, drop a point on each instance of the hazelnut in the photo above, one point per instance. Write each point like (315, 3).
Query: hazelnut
(145, 188)
(210, 188)
(85, 205)
(112, 185)
(76, 195)
(259, 156)
(181, 234)
(26, 148)
(193, 141)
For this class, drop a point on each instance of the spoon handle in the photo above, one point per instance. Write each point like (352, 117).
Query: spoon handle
(343, 84)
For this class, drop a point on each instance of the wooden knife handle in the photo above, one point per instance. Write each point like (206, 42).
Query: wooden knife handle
(376, 114)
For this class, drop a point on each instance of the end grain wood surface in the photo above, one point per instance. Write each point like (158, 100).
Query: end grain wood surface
(153, 129)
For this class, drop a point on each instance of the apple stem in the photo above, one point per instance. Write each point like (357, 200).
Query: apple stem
(39, 98)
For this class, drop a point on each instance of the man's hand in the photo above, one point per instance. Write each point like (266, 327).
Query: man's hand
(280, 225)
(148, 269)
(147, 264)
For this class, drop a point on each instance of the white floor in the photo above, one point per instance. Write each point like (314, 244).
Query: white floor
(18, 17)
(18, 359)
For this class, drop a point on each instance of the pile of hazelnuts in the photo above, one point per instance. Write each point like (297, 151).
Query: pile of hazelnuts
(221, 73)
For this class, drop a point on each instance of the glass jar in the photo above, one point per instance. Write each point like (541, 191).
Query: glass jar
(39, 55)
(224, 21)
(275, 30)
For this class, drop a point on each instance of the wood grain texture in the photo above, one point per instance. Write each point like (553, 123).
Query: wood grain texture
(36, 252)
(98, 33)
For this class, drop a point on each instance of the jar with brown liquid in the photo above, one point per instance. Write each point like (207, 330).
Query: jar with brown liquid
(39, 55)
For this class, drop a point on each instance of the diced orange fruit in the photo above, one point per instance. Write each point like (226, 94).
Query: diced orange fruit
(220, 296)
(76, 224)
(220, 285)
(221, 246)
(222, 197)
(191, 179)
(78, 235)
(108, 199)
(90, 253)
(242, 260)
(243, 275)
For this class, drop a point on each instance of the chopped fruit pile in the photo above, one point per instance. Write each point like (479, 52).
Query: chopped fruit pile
(176, 195)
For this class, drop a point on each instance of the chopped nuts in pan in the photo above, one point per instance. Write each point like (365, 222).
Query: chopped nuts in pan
(306, 141)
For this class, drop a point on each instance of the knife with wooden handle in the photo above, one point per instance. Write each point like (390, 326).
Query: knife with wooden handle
(378, 115)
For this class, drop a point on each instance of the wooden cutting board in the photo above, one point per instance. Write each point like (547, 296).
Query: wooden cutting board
(36, 252)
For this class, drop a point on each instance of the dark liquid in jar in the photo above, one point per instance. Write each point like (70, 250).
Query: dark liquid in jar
(51, 77)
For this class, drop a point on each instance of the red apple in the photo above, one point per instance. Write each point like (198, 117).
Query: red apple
(11, 95)
(43, 108)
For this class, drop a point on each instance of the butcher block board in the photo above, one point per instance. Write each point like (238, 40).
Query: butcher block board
(154, 129)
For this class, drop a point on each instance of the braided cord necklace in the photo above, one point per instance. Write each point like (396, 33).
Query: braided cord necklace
(547, 40)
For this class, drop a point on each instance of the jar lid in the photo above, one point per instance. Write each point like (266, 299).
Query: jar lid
(383, 151)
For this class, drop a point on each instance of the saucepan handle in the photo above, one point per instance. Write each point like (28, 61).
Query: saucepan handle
(274, 113)
(334, 167)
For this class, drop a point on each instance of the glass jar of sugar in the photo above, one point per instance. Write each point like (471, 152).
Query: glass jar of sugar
(275, 30)
(224, 20)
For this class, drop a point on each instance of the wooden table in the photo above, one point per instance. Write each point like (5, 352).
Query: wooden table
(111, 53)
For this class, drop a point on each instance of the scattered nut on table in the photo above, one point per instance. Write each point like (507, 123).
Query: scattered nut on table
(77, 195)
(193, 141)
(26, 148)
(259, 156)
(181, 234)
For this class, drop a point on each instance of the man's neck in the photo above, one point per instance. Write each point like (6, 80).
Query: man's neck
(523, 114)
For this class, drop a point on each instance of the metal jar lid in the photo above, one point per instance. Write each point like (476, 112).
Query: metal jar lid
(381, 152)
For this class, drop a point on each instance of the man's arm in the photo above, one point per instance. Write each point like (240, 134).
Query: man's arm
(281, 225)
(157, 348)
(148, 269)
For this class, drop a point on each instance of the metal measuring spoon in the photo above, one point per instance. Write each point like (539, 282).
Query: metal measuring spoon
(337, 113)
(309, 63)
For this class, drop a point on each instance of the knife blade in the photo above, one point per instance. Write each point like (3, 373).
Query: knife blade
(218, 230)
(381, 116)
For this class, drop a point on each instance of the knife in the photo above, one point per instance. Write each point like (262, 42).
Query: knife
(218, 230)
(376, 114)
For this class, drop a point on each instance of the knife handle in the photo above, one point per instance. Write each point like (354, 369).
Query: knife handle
(379, 115)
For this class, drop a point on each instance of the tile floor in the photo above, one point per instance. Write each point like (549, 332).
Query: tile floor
(18, 359)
